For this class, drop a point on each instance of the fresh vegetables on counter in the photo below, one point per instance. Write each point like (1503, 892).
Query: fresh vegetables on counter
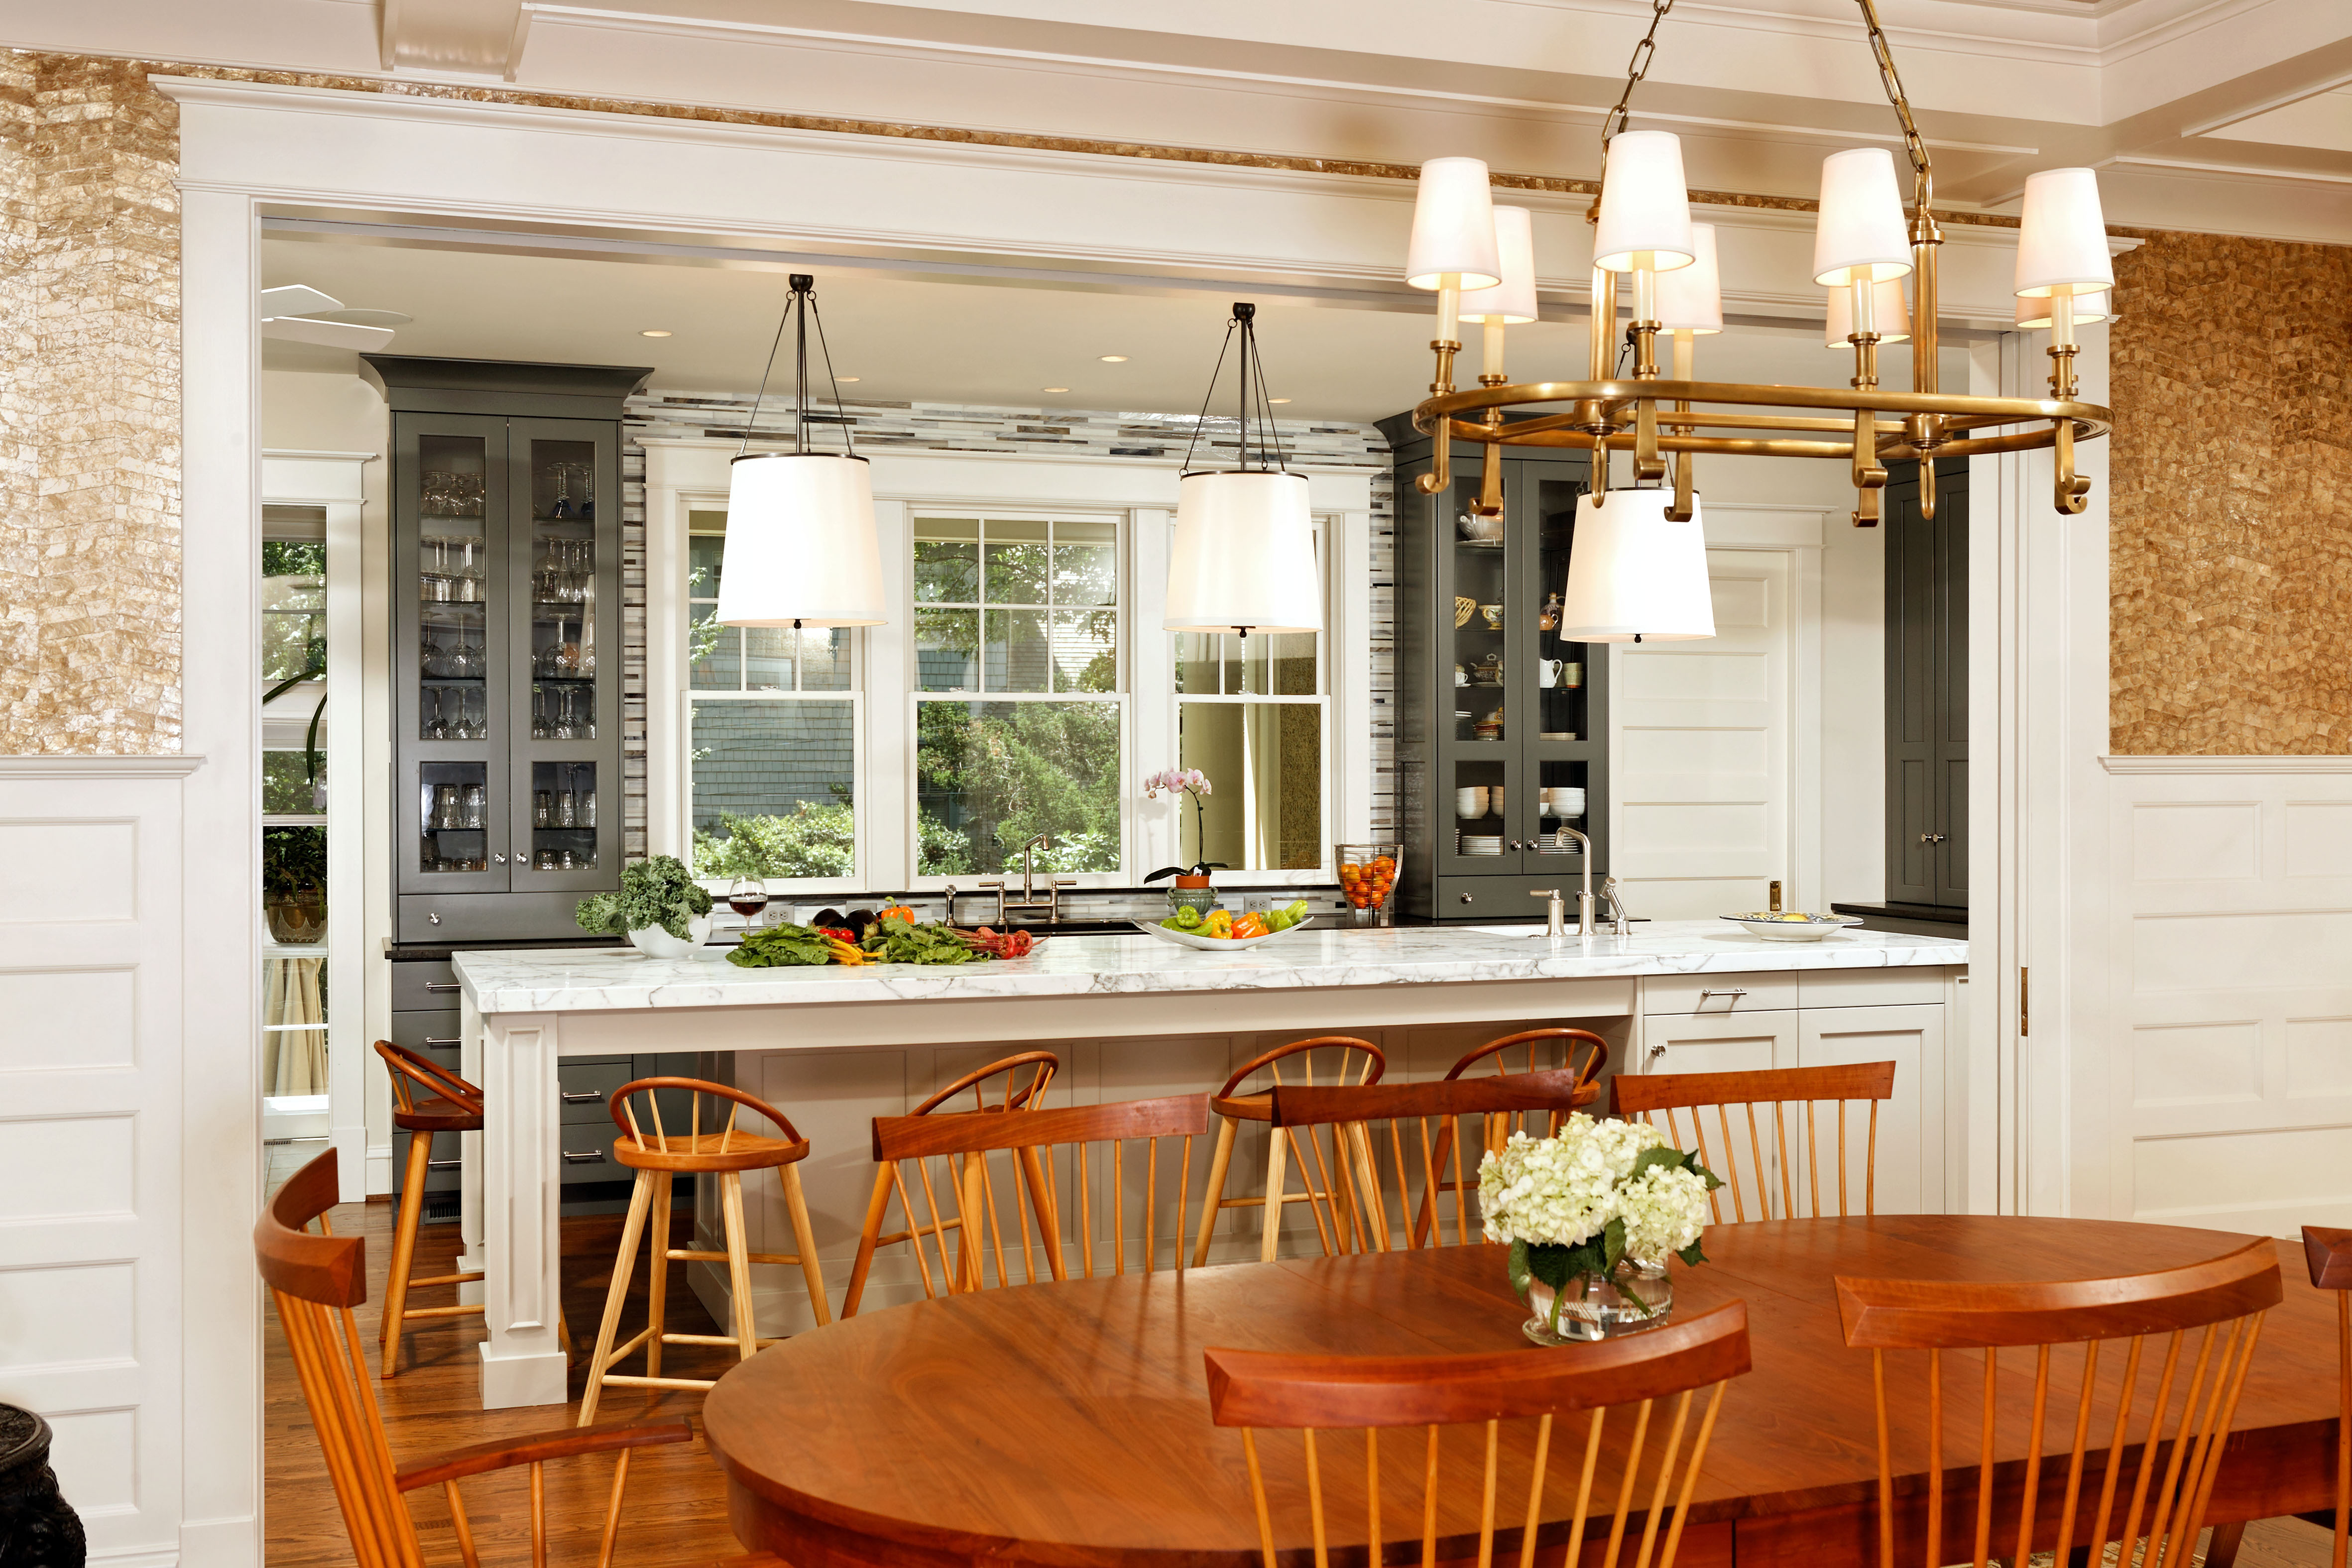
(776, 946)
(658, 891)
(895, 936)
(999, 944)
(1224, 924)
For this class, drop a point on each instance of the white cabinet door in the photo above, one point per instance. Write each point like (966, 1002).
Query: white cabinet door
(1719, 1042)
(1910, 1138)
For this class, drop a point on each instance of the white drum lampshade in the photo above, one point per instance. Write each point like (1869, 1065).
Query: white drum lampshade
(1644, 206)
(1245, 555)
(1888, 308)
(1453, 227)
(1860, 235)
(1631, 572)
(1690, 299)
(2033, 311)
(802, 547)
(2061, 235)
(1513, 301)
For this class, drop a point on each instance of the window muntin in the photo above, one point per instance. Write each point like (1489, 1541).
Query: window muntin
(1019, 718)
(771, 723)
(1253, 713)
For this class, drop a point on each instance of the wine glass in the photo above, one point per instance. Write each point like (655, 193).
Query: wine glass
(436, 726)
(747, 896)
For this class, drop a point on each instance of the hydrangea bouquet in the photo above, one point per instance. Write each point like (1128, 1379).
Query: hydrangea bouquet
(1580, 1206)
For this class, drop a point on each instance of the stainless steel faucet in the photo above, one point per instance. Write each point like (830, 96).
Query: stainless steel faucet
(1583, 897)
(1619, 923)
(1051, 904)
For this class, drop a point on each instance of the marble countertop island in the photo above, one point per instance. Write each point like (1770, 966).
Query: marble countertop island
(572, 980)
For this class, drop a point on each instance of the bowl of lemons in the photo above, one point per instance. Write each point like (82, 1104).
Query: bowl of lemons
(1789, 925)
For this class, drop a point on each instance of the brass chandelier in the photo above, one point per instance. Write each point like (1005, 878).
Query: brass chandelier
(1644, 245)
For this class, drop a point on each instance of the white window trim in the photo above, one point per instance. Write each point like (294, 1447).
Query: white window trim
(686, 475)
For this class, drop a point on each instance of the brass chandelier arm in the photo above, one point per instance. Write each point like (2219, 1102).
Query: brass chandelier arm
(1891, 446)
(1619, 395)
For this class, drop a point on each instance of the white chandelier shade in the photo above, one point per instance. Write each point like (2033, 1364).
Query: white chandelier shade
(2034, 313)
(1888, 310)
(1859, 235)
(1243, 559)
(1690, 299)
(1633, 573)
(2061, 235)
(802, 547)
(1644, 221)
(1512, 301)
(1452, 227)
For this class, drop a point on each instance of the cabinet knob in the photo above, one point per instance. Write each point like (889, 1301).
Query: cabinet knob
(500, 859)
(434, 918)
(1466, 898)
(1931, 838)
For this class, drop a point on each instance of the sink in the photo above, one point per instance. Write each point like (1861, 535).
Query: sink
(1066, 927)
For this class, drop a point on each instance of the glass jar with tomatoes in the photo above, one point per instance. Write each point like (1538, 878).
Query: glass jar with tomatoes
(1368, 876)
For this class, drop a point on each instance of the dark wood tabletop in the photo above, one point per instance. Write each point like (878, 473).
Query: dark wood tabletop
(1068, 1423)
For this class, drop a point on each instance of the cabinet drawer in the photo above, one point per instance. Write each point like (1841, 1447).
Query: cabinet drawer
(432, 984)
(1870, 987)
(582, 1140)
(444, 1176)
(434, 1033)
(1704, 996)
(586, 1086)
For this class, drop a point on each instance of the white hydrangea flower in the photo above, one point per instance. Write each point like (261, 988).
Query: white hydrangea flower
(1560, 1190)
(1664, 1209)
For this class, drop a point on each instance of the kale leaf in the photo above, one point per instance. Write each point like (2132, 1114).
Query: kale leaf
(657, 892)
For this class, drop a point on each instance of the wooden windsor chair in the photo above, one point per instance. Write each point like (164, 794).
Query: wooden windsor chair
(2328, 1253)
(1767, 1165)
(1016, 1083)
(2163, 1482)
(658, 1157)
(316, 1280)
(1357, 1061)
(1581, 1050)
(1458, 1509)
(1370, 1211)
(955, 1148)
(426, 1100)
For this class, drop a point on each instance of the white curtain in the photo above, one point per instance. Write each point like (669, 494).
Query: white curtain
(293, 1060)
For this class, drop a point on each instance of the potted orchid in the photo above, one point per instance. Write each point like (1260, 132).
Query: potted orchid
(1192, 889)
(1591, 1213)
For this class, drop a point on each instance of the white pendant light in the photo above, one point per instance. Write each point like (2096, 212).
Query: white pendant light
(802, 546)
(1859, 235)
(1634, 575)
(1244, 556)
(1644, 221)
(1513, 301)
(1890, 315)
(1452, 227)
(2033, 311)
(2061, 235)
(1690, 299)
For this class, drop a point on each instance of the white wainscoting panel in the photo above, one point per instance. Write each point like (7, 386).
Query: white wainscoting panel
(89, 1133)
(2231, 963)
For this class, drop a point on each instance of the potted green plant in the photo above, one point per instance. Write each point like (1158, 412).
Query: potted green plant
(294, 884)
(660, 908)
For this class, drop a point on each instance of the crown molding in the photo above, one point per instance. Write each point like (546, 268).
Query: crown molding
(45, 767)
(2151, 767)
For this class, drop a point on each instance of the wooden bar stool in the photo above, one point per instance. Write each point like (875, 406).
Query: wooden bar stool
(1014, 1083)
(449, 1104)
(657, 1159)
(1234, 1107)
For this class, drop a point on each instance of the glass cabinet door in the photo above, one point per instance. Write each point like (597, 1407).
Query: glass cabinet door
(564, 555)
(449, 584)
(1475, 830)
(1560, 775)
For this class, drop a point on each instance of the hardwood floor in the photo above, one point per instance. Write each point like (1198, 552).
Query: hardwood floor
(676, 1513)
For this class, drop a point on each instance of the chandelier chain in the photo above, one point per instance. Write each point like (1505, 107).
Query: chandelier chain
(1635, 69)
(1914, 145)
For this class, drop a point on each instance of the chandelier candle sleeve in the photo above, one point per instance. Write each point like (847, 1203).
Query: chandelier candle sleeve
(1860, 235)
(2033, 311)
(1890, 315)
(1644, 224)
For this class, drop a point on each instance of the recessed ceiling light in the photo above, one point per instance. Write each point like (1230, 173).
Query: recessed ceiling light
(1053, 389)
(654, 332)
(1278, 400)
(1114, 358)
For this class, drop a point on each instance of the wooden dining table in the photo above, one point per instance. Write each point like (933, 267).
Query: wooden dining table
(1068, 1423)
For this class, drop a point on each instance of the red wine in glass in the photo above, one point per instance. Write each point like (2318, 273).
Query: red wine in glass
(747, 896)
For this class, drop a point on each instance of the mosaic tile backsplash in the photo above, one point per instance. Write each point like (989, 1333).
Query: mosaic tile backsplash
(960, 427)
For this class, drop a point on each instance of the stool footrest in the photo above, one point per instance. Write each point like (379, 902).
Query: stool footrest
(445, 1279)
(614, 1380)
(459, 1312)
(619, 1351)
(689, 1255)
(699, 1339)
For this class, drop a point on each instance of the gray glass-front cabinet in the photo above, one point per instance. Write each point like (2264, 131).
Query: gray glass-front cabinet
(1502, 727)
(506, 619)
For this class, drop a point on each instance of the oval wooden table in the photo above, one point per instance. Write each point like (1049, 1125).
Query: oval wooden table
(1069, 1424)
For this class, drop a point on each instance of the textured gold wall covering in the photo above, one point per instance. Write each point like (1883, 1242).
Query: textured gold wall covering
(2231, 511)
(89, 409)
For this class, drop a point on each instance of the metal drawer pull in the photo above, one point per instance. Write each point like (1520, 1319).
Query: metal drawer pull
(585, 1156)
(438, 986)
(1734, 991)
(453, 1039)
(578, 1096)
(444, 1164)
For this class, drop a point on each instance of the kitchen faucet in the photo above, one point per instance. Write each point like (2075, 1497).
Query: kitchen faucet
(1554, 926)
(1051, 904)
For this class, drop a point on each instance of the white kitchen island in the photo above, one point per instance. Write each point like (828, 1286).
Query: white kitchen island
(1132, 1016)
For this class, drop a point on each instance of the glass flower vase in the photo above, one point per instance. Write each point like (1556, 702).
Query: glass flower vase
(1633, 1297)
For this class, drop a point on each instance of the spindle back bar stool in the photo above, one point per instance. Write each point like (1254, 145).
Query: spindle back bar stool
(658, 1155)
(1534, 1051)
(426, 1099)
(1346, 1060)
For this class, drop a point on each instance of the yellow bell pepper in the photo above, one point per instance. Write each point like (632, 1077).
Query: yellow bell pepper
(1218, 923)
